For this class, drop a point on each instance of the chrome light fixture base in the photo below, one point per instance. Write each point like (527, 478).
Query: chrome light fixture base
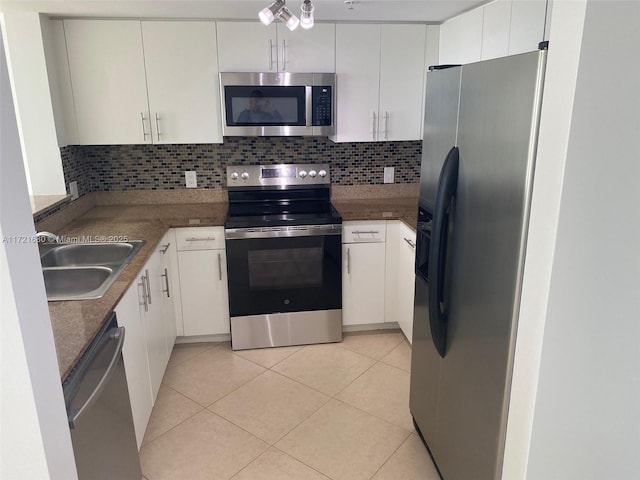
(279, 10)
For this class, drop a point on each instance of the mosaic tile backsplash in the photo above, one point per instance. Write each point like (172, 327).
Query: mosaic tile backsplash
(156, 167)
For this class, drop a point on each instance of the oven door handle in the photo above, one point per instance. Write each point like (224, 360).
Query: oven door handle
(276, 232)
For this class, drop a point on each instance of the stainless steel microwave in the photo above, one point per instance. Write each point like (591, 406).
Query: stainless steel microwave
(278, 104)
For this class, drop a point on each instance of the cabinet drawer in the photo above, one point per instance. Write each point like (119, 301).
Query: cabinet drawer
(364, 232)
(200, 238)
(407, 236)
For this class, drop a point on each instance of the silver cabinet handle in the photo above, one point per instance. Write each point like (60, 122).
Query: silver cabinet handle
(373, 131)
(270, 54)
(144, 131)
(146, 276)
(366, 232)
(349, 261)
(219, 267)
(117, 335)
(284, 56)
(411, 244)
(166, 282)
(386, 125)
(157, 126)
(199, 239)
(143, 284)
(164, 248)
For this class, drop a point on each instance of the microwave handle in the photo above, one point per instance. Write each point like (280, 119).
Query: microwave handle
(308, 100)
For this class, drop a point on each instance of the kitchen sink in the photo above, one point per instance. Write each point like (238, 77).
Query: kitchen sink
(64, 282)
(84, 271)
(83, 254)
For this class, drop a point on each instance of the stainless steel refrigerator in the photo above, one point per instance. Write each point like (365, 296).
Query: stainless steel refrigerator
(480, 138)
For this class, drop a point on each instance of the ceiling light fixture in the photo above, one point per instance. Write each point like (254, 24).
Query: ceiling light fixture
(278, 9)
(306, 19)
(288, 18)
(268, 14)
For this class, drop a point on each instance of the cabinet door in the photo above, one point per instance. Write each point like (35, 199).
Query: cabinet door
(136, 364)
(527, 25)
(107, 74)
(59, 82)
(358, 82)
(406, 277)
(152, 319)
(203, 285)
(363, 283)
(461, 38)
(307, 50)
(167, 251)
(247, 47)
(402, 75)
(495, 29)
(182, 81)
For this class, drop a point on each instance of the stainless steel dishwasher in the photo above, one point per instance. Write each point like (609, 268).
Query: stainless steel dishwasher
(99, 412)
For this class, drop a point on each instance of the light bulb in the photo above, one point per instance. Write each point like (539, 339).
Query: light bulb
(288, 18)
(267, 14)
(306, 19)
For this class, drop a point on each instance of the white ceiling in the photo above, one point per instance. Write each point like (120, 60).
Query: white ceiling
(428, 11)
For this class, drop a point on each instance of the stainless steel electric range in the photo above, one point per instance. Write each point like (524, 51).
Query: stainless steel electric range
(284, 256)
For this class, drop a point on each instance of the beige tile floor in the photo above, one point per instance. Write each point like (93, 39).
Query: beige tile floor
(318, 412)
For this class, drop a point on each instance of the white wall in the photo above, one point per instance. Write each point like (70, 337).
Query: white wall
(587, 411)
(34, 436)
(555, 126)
(28, 74)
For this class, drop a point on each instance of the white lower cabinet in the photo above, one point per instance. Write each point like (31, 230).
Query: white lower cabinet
(202, 265)
(167, 274)
(136, 363)
(406, 280)
(363, 272)
(143, 311)
(399, 292)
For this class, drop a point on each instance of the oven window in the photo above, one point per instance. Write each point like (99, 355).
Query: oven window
(285, 274)
(247, 106)
(284, 269)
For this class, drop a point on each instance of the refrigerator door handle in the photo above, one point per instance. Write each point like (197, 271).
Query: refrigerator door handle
(447, 185)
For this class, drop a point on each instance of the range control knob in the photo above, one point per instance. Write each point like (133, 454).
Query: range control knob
(244, 175)
(234, 175)
(322, 173)
(312, 173)
(302, 174)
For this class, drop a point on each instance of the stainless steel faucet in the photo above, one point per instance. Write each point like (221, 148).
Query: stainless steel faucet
(51, 237)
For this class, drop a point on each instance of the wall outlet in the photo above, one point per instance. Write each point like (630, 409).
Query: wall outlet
(73, 190)
(191, 179)
(388, 174)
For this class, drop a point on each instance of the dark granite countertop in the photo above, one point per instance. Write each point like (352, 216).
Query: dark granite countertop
(405, 209)
(76, 323)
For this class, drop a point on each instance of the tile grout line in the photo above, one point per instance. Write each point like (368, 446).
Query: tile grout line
(392, 454)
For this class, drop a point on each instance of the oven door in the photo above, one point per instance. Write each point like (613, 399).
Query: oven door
(284, 269)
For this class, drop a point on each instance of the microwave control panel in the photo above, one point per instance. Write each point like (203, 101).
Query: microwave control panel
(322, 105)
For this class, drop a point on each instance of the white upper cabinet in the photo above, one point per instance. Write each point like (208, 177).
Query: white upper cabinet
(495, 29)
(247, 47)
(55, 49)
(311, 50)
(402, 73)
(254, 47)
(144, 82)
(106, 63)
(527, 25)
(500, 28)
(357, 82)
(461, 38)
(182, 81)
(380, 81)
